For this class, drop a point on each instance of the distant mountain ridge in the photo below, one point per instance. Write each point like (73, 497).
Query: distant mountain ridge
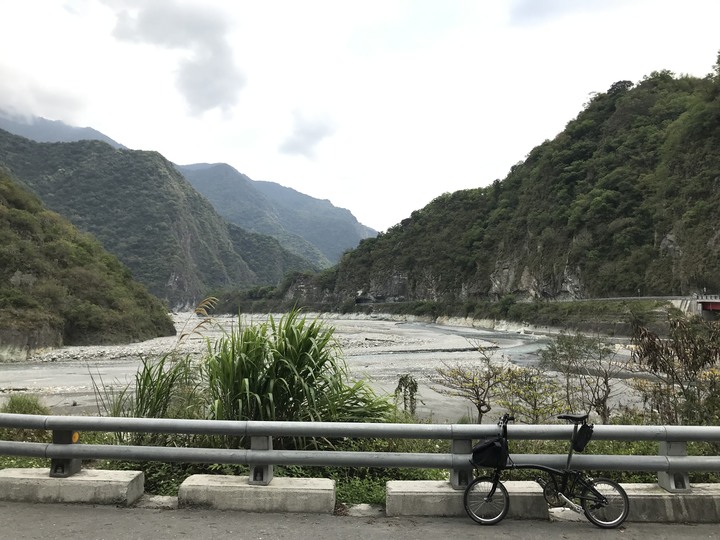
(310, 227)
(43, 130)
(147, 214)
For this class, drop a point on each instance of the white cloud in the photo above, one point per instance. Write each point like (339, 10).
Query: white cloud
(208, 78)
(379, 106)
(22, 93)
(307, 133)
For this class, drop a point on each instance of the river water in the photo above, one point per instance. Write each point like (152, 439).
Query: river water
(378, 350)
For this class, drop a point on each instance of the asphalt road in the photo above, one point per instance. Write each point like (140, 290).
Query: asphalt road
(19, 521)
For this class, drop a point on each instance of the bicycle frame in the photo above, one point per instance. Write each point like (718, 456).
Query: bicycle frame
(571, 480)
(603, 501)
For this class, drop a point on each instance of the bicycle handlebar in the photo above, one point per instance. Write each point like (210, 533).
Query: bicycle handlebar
(503, 422)
(505, 418)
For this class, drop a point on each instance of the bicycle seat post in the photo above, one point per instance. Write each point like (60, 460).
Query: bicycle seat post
(570, 452)
(576, 419)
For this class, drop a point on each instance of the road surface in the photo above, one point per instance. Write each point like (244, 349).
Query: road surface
(27, 521)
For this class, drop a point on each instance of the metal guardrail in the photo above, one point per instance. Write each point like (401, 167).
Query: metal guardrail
(671, 464)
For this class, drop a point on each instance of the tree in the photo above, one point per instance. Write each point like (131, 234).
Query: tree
(685, 369)
(479, 383)
(406, 391)
(531, 395)
(590, 370)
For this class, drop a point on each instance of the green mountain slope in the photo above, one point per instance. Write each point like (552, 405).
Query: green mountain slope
(623, 202)
(60, 287)
(334, 230)
(312, 228)
(144, 212)
(236, 199)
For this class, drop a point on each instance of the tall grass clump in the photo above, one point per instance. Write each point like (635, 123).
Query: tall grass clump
(166, 388)
(285, 370)
(289, 369)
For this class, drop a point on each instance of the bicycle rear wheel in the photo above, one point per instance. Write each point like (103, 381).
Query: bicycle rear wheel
(613, 511)
(483, 508)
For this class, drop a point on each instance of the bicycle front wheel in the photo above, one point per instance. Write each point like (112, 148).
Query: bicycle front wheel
(607, 514)
(483, 508)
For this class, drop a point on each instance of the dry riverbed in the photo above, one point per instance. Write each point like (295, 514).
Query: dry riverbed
(378, 350)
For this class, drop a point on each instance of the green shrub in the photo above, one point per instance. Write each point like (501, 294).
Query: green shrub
(24, 404)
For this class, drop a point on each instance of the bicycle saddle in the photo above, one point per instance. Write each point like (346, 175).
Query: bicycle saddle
(577, 418)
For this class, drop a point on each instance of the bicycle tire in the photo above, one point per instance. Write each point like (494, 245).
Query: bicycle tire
(605, 515)
(481, 509)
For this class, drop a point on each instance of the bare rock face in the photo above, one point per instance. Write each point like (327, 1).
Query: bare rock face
(571, 286)
(16, 345)
(503, 279)
(669, 245)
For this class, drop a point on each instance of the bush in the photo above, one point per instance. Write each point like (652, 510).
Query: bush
(24, 404)
(289, 370)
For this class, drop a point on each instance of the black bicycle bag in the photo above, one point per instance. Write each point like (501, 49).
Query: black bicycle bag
(582, 437)
(491, 453)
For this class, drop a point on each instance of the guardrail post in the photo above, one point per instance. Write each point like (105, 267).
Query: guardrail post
(673, 481)
(62, 468)
(460, 477)
(261, 474)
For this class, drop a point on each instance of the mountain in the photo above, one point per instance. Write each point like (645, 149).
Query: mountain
(43, 130)
(334, 230)
(623, 202)
(145, 212)
(312, 228)
(58, 286)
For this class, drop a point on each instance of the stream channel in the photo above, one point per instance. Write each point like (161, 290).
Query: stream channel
(379, 350)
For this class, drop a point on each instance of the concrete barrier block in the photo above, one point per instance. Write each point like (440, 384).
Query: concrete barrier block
(649, 502)
(314, 495)
(90, 486)
(438, 498)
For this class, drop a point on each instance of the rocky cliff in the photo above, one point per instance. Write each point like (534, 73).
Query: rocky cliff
(623, 202)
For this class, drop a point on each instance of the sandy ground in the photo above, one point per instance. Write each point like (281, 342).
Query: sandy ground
(378, 350)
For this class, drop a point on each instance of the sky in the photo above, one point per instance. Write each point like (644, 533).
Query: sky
(379, 106)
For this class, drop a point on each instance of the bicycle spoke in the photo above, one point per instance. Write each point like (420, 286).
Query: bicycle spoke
(481, 506)
(605, 503)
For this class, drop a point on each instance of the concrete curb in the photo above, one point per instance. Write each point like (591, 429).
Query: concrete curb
(438, 498)
(648, 502)
(313, 495)
(90, 486)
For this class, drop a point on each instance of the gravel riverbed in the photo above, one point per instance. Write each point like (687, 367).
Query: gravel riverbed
(376, 349)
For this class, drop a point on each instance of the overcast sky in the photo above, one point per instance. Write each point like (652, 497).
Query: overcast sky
(377, 105)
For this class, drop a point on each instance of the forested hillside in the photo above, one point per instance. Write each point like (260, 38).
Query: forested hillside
(623, 202)
(145, 212)
(312, 228)
(334, 230)
(60, 287)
